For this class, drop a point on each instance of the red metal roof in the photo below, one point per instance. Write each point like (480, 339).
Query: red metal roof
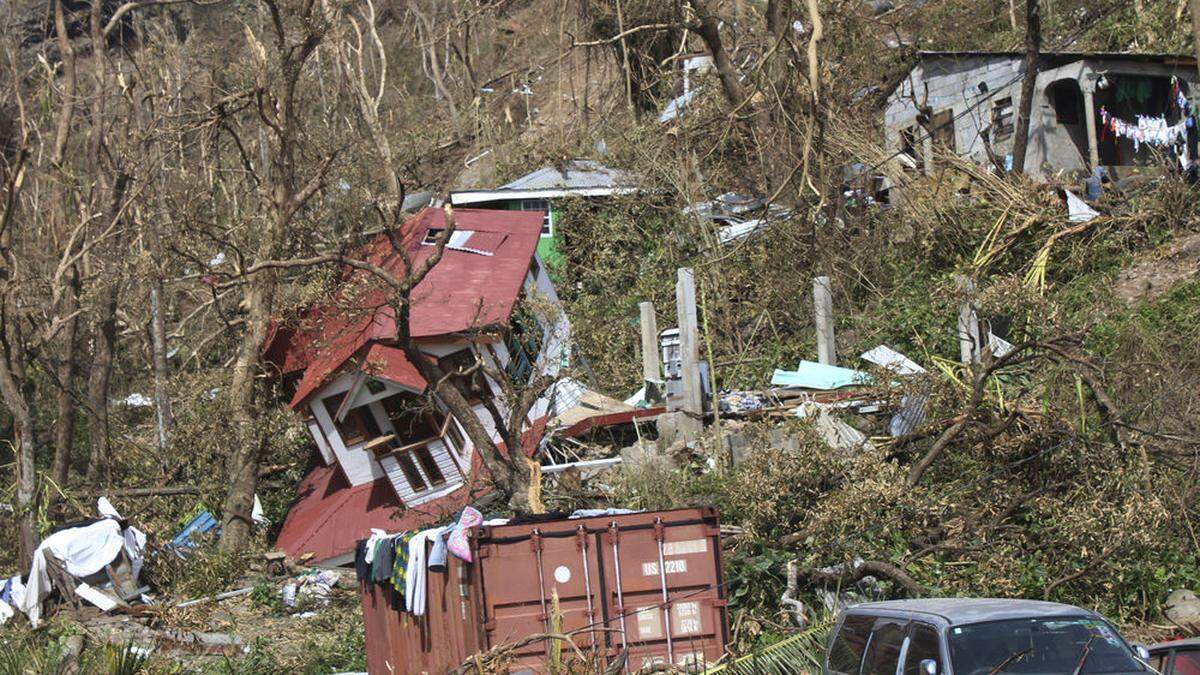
(390, 363)
(466, 290)
(329, 516)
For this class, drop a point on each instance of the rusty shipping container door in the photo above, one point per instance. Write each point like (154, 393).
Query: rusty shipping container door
(649, 583)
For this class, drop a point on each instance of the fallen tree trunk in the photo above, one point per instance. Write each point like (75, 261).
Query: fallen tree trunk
(171, 491)
(844, 575)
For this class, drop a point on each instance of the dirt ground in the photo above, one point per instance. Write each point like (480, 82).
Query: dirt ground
(1153, 275)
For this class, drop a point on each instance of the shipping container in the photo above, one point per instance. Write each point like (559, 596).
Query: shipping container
(647, 584)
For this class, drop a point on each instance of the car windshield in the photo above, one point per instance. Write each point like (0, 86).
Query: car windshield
(1049, 646)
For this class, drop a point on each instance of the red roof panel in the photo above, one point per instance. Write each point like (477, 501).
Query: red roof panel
(329, 516)
(464, 291)
(390, 363)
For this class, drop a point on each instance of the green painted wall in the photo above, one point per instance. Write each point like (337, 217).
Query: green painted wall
(547, 247)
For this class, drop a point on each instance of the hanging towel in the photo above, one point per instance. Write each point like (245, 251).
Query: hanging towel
(385, 554)
(362, 568)
(414, 579)
(458, 543)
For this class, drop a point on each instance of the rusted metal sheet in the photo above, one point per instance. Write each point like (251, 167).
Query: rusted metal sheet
(649, 584)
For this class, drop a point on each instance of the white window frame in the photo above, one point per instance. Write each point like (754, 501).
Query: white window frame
(458, 238)
(542, 205)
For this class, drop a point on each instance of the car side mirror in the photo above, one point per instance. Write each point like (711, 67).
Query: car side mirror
(929, 667)
(1142, 652)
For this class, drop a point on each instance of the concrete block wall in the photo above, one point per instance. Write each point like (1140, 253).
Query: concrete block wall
(954, 85)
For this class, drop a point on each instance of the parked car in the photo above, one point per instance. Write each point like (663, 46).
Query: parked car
(1181, 657)
(967, 636)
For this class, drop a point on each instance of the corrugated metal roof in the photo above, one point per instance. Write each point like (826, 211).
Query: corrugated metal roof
(575, 174)
(390, 363)
(1116, 56)
(329, 515)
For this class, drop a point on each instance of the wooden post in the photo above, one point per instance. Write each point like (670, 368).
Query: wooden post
(685, 305)
(651, 370)
(823, 317)
(968, 322)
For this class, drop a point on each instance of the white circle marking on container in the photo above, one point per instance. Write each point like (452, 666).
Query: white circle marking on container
(562, 574)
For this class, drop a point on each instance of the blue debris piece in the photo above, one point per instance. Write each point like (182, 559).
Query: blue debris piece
(813, 375)
(202, 523)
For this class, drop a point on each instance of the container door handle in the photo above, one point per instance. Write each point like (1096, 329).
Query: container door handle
(613, 532)
(662, 578)
(535, 540)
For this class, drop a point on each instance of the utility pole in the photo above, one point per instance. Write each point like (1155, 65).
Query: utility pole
(1033, 47)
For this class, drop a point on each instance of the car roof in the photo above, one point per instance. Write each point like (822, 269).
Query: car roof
(1175, 644)
(961, 611)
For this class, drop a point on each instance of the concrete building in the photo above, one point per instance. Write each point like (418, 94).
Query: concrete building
(1090, 109)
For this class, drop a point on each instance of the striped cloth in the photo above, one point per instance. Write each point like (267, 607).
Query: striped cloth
(400, 566)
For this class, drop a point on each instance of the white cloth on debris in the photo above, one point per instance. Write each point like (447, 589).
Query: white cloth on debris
(414, 582)
(83, 551)
(106, 509)
(595, 513)
(6, 612)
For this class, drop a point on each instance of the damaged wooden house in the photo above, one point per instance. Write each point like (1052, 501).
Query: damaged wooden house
(1124, 112)
(391, 455)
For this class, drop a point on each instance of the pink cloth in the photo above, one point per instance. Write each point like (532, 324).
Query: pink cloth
(458, 543)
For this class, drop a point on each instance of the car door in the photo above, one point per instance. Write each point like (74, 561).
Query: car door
(923, 644)
(885, 646)
(1183, 662)
(849, 644)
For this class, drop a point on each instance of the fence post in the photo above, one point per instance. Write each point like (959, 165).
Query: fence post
(689, 348)
(969, 347)
(652, 375)
(823, 317)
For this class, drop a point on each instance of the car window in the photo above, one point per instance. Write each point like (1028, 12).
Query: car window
(922, 645)
(846, 652)
(1157, 661)
(883, 653)
(1035, 646)
(1186, 663)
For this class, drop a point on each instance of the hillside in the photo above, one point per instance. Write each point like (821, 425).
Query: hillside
(183, 182)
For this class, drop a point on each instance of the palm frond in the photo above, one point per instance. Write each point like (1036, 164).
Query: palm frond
(802, 652)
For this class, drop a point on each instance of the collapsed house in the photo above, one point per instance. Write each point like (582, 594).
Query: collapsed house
(392, 458)
(542, 192)
(1090, 110)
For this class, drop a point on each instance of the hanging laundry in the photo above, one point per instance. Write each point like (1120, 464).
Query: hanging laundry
(385, 556)
(1148, 129)
(400, 566)
(458, 543)
(414, 578)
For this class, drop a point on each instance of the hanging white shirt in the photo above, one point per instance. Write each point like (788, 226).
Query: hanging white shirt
(414, 582)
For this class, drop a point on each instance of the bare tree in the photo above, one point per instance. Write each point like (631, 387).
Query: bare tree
(1033, 46)
(284, 191)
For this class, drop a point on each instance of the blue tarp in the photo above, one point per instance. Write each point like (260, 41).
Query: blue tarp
(813, 375)
(202, 523)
